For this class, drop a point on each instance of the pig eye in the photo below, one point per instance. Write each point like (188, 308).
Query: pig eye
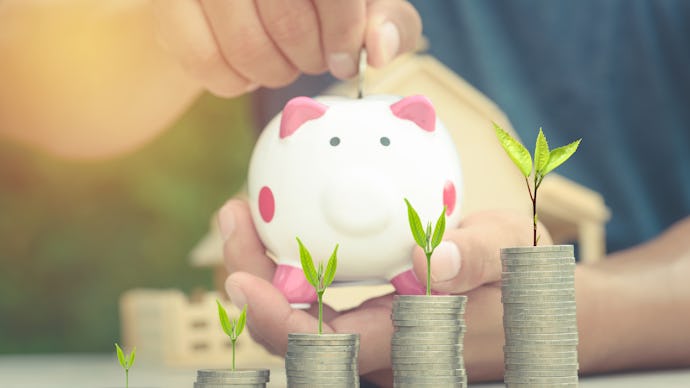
(335, 140)
(385, 141)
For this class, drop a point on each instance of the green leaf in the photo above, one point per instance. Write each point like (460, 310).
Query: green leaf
(415, 225)
(241, 321)
(541, 153)
(307, 265)
(132, 355)
(330, 268)
(516, 151)
(224, 320)
(560, 155)
(439, 229)
(120, 356)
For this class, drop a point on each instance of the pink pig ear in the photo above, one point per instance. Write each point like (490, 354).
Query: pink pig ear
(417, 109)
(298, 111)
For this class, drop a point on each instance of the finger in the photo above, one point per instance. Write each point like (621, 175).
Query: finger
(293, 26)
(372, 321)
(183, 30)
(242, 248)
(246, 45)
(393, 27)
(269, 314)
(469, 256)
(342, 34)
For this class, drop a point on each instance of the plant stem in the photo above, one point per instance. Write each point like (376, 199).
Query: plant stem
(534, 210)
(126, 378)
(428, 273)
(233, 354)
(320, 296)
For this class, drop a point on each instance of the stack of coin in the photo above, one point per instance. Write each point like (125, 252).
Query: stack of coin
(538, 288)
(319, 360)
(426, 348)
(224, 378)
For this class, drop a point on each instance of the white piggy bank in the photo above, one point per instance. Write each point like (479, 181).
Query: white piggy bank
(336, 171)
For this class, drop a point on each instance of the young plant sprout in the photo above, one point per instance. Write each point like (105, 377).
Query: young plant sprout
(320, 279)
(233, 328)
(125, 361)
(425, 238)
(545, 161)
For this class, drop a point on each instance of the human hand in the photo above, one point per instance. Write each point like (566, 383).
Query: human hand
(480, 236)
(270, 317)
(232, 47)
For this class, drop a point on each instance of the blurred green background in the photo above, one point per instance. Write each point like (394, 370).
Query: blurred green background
(75, 235)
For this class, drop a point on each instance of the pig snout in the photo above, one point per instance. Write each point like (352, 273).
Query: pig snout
(357, 203)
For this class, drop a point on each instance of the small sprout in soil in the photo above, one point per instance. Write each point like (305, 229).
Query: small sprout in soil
(425, 238)
(233, 328)
(320, 279)
(544, 162)
(125, 361)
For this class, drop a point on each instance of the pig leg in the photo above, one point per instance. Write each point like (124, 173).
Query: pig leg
(406, 283)
(291, 282)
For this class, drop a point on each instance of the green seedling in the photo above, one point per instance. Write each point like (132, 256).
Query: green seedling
(320, 279)
(425, 238)
(233, 328)
(544, 162)
(125, 361)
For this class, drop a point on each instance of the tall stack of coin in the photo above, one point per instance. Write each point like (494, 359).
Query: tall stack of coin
(426, 348)
(226, 378)
(322, 360)
(538, 288)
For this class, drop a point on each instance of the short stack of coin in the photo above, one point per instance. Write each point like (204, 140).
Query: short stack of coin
(427, 343)
(539, 316)
(322, 360)
(226, 378)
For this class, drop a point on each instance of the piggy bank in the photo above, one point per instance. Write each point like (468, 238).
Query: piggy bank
(335, 170)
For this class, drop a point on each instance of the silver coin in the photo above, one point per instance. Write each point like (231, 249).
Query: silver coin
(542, 273)
(534, 381)
(557, 314)
(406, 327)
(556, 329)
(559, 294)
(537, 258)
(427, 366)
(536, 261)
(431, 299)
(247, 380)
(442, 372)
(559, 250)
(426, 357)
(232, 373)
(325, 348)
(430, 380)
(413, 313)
(234, 385)
(425, 348)
(319, 373)
(423, 341)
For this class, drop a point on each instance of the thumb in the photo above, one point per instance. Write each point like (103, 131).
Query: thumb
(469, 256)
(269, 315)
(393, 27)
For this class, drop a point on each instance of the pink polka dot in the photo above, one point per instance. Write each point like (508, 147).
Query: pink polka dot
(449, 197)
(267, 204)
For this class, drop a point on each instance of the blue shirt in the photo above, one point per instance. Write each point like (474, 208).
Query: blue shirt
(615, 73)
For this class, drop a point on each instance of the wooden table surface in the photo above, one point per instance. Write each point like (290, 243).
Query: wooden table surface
(103, 371)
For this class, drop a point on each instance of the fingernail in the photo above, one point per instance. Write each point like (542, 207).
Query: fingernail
(445, 263)
(342, 65)
(236, 295)
(226, 222)
(251, 87)
(390, 41)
